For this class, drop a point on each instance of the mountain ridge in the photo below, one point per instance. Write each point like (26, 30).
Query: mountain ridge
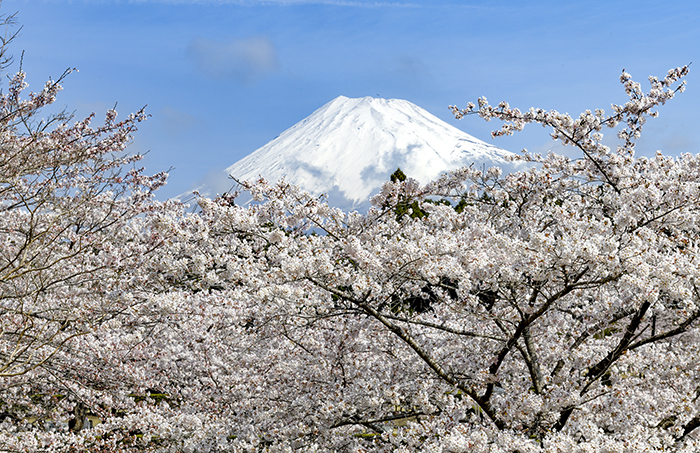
(348, 148)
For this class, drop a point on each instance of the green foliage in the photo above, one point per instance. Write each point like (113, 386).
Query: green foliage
(398, 175)
(151, 395)
(461, 205)
(411, 208)
(405, 205)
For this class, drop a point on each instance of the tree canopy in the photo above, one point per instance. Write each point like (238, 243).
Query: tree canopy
(553, 309)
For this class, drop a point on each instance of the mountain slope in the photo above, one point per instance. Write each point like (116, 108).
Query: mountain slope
(349, 147)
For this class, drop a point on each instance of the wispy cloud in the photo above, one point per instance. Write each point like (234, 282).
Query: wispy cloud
(411, 66)
(174, 121)
(244, 60)
(351, 3)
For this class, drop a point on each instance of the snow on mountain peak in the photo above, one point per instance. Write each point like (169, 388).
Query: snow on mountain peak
(350, 146)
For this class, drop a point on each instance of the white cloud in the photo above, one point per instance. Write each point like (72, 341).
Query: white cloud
(245, 60)
(354, 3)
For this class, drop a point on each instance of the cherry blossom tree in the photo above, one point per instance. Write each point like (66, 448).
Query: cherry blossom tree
(71, 200)
(560, 307)
(554, 309)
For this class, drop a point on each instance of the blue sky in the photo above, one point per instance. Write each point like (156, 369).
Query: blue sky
(222, 78)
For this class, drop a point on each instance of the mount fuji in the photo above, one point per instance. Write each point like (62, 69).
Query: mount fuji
(349, 147)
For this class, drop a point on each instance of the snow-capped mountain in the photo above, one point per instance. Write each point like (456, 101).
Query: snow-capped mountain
(349, 147)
